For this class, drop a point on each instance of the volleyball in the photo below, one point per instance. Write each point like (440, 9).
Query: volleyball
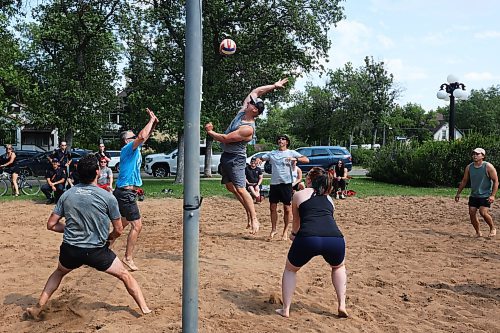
(227, 47)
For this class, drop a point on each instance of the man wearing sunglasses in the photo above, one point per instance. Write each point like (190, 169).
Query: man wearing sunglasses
(129, 181)
(484, 186)
(234, 140)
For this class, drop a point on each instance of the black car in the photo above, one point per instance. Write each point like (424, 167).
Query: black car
(38, 164)
(24, 154)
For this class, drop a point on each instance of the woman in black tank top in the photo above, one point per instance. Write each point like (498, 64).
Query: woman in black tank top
(10, 167)
(315, 232)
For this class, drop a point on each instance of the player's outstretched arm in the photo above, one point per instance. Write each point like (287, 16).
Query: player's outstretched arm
(146, 132)
(259, 91)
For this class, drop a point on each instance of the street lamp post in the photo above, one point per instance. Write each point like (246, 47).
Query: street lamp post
(448, 92)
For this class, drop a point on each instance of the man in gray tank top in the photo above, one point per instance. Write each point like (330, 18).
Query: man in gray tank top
(484, 186)
(234, 141)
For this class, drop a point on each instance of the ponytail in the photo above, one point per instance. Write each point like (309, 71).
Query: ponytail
(321, 180)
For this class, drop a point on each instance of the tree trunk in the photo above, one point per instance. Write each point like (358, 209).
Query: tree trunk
(207, 172)
(179, 177)
(374, 140)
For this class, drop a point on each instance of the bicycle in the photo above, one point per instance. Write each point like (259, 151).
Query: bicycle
(28, 184)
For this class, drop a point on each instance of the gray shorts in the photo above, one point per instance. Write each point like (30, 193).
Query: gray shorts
(232, 169)
(127, 202)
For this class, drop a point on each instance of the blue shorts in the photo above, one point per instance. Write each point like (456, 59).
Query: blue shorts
(304, 249)
(232, 169)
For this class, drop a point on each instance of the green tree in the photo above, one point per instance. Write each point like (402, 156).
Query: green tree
(73, 54)
(274, 39)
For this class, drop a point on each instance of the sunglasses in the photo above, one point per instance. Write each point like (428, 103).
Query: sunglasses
(132, 137)
(283, 138)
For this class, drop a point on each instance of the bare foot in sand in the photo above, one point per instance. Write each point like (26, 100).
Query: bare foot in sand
(272, 234)
(283, 313)
(343, 313)
(284, 236)
(479, 234)
(130, 264)
(493, 233)
(33, 313)
(146, 311)
(255, 227)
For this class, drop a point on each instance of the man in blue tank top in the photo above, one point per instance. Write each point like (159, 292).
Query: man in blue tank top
(129, 181)
(234, 141)
(484, 186)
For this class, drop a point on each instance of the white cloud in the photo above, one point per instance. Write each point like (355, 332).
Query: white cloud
(385, 41)
(483, 76)
(488, 34)
(404, 72)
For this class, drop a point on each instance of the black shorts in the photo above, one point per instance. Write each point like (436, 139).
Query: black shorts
(281, 193)
(303, 249)
(73, 257)
(127, 202)
(479, 202)
(13, 169)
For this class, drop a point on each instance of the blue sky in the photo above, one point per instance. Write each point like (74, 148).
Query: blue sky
(421, 42)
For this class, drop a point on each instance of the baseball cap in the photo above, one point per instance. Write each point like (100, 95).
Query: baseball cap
(55, 160)
(259, 104)
(480, 151)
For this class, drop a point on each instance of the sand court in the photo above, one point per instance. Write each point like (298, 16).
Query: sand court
(413, 265)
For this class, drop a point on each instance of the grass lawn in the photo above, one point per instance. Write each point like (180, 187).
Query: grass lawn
(362, 185)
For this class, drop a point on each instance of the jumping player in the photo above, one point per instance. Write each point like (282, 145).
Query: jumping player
(234, 142)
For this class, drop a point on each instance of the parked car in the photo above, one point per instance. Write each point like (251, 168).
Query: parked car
(162, 165)
(24, 154)
(39, 163)
(114, 164)
(324, 156)
(257, 155)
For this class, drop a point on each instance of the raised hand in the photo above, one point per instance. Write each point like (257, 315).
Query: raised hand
(209, 127)
(281, 83)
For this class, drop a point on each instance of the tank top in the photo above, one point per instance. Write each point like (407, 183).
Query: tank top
(294, 174)
(240, 147)
(480, 183)
(316, 218)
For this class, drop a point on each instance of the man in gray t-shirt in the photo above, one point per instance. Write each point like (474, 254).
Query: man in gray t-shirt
(88, 211)
(281, 181)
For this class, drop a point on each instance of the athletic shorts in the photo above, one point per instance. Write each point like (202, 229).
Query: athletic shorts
(479, 202)
(232, 169)
(281, 193)
(73, 257)
(127, 202)
(304, 249)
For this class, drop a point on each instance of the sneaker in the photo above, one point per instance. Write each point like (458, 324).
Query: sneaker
(49, 201)
(336, 196)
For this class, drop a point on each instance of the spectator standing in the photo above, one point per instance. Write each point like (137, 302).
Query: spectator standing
(105, 180)
(62, 155)
(102, 153)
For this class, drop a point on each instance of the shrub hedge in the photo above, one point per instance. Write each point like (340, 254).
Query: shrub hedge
(362, 157)
(432, 163)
